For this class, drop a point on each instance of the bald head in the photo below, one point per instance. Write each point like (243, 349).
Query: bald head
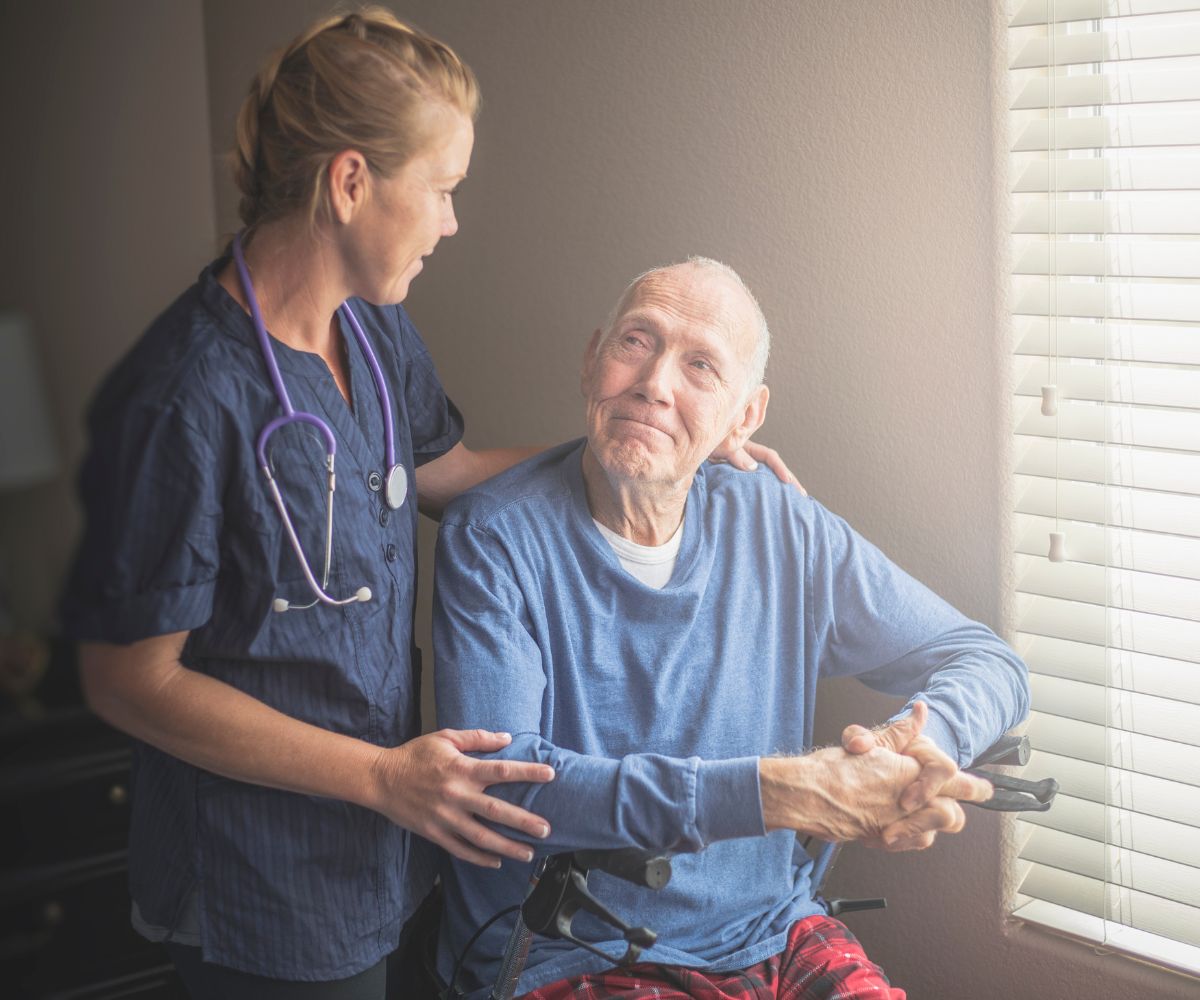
(706, 277)
(676, 377)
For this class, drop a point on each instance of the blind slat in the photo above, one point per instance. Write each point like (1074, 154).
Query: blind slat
(1140, 427)
(1142, 510)
(1166, 719)
(1145, 87)
(1109, 173)
(1127, 750)
(1123, 467)
(1140, 910)
(1143, 551)
(1119, 668)
(1160, 877)
(1121, 130)
(1041, 12)
(1120, 300)
(1179, 216)
(1128, 590)
(1150, 343)
(1111, 258)
(1173, 638)
(1109, 46)
(1143, 794)
(1141, 385)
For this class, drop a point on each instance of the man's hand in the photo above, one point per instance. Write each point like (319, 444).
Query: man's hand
(839, 796)
(835, 795)
(928, 807)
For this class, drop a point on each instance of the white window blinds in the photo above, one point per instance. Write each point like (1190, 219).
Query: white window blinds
(1106, 300)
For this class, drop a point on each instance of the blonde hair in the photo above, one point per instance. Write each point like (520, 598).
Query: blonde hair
(365, 81)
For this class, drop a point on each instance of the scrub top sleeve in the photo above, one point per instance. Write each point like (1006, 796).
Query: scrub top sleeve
(149, 558)
(436, 423)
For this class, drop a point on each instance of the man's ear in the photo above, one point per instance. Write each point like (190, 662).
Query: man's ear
(349, 181)
(589, 360)
(751, 419)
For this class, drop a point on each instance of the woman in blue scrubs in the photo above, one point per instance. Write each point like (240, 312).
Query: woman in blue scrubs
(279, 770)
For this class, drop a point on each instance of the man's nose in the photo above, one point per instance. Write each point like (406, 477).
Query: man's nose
(655, 381)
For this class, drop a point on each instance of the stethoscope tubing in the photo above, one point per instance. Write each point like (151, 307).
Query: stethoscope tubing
(396, 475)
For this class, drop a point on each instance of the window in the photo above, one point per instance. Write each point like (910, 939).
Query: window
(1105, 174)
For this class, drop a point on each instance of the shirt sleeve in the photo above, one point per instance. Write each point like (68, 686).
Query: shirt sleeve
(435, 422)
(489, 674)
(149, 558)
(877, 622)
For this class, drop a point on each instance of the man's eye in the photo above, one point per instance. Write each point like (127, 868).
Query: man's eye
(702, 365)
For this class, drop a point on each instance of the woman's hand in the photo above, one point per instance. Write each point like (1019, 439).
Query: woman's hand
(749, 455)
(429, 785)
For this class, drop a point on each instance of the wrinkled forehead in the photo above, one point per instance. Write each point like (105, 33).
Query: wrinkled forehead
(701, 300)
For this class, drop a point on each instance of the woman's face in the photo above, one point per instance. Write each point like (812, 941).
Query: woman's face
(408, 213)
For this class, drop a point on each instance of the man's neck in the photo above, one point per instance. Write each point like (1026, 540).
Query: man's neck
(298, 285)
(648, 514)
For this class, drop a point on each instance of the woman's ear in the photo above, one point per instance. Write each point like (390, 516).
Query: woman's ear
(349, 180)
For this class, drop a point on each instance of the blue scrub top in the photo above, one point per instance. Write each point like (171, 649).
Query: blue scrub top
(181, 535)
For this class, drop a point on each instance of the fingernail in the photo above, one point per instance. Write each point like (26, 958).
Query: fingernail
(544, 832)
(753, 465)
(505, 736)
(529, 855)
(496, 865)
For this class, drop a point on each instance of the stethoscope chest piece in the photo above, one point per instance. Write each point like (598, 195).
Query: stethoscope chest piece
(396, 488)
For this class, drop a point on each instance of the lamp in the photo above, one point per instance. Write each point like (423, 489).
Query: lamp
(28, 455)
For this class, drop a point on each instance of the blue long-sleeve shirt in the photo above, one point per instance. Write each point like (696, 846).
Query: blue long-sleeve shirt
(654, 706)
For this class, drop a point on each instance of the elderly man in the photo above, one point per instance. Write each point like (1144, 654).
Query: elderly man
(654, 628)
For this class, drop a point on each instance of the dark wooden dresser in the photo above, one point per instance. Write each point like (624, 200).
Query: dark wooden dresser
(64, 816)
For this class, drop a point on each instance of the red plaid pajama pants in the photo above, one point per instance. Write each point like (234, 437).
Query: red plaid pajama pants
(822, 961)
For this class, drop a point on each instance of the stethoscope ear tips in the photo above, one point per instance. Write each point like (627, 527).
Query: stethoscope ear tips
(279, 604)
(363, 594)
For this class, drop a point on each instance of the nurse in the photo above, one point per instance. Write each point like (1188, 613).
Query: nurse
(257, 646)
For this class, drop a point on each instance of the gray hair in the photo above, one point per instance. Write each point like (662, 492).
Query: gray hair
(762, 340)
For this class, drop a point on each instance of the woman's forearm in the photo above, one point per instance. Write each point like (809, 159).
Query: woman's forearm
(145, 691)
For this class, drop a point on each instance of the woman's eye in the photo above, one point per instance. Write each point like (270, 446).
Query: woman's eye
(702, 365)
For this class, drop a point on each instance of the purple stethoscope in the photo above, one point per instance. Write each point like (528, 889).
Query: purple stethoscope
(395, 484)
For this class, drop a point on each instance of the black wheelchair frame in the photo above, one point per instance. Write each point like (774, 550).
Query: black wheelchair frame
(559, 888)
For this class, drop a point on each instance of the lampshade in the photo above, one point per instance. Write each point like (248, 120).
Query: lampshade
(27, 451)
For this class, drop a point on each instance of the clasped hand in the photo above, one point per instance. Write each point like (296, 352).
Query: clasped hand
(891, 788)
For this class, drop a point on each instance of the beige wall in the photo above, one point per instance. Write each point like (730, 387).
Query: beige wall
(108, 215)
(842, 156)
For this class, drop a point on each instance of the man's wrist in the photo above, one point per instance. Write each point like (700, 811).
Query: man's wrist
(788, 790)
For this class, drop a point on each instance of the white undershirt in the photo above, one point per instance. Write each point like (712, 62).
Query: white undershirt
(651, 564)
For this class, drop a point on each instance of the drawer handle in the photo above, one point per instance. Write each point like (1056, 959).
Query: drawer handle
(118, 795)
(52, 913)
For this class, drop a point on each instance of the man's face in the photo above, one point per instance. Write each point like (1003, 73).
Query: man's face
(667, 383)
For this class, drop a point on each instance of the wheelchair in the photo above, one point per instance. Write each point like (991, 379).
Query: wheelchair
(559, 889)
